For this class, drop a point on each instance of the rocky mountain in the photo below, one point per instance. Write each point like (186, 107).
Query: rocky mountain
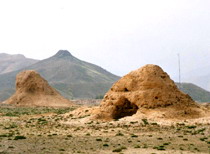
(75, 78)
(9, 63)
(72, 77)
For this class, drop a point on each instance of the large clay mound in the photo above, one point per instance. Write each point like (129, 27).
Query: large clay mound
(146, 88)
(33, 90)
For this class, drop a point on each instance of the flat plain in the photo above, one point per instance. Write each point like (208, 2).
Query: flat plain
(72, 130)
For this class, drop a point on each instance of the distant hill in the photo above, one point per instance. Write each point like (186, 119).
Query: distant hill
(199, 76)
(197, 93)
(202, 81)
(72, 77)
(9, 63)
(75, 78)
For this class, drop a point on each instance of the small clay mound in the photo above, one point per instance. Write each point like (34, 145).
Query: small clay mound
(148, 87)
(33, 90)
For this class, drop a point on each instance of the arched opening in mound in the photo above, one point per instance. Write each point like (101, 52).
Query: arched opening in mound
(126, 90)
(124, 108)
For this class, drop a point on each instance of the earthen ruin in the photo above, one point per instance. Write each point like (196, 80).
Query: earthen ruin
(33, 90)
(146, 88)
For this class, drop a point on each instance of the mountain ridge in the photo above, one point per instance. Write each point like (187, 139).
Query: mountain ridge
(75, 78)
(197, 93)
(10, 63)
(72, 77)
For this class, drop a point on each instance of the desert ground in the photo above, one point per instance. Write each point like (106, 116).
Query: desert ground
(72, 130)
(144, 112)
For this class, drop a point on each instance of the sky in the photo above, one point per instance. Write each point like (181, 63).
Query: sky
(118, 35)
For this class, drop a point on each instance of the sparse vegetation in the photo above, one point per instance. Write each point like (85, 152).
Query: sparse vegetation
(161, 147)
(19, 111)
(119, 134)
(145, 121)
(133, 135)
(119, 149)
(19, 137)
(46, 130)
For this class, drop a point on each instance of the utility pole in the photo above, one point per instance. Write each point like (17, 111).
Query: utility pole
(179, 71)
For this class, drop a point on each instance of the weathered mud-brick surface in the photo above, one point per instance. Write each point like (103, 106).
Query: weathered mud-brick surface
(33, 90)
(146, 88)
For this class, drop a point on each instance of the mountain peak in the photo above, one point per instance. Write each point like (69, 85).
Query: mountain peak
(63, 53)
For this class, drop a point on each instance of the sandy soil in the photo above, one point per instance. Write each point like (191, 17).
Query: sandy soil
(77, 132)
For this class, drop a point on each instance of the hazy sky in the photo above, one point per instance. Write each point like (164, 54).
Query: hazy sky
(118, 35)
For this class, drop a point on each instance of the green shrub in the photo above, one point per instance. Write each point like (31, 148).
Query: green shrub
(19, 137)
(145, 121)
(191, 127)
(119, 134)
(137, 146)
(105, 145)
(203, 138)
(161, 147)
(4, 135)
(133, 135)
(117, 150)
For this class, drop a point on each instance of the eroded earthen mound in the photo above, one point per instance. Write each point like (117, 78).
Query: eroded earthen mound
(146, 88)
(33, 90)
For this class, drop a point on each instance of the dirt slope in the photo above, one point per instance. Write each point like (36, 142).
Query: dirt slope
(33, 90)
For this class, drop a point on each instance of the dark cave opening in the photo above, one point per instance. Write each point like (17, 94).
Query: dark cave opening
(126, 108)
(126, 90)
